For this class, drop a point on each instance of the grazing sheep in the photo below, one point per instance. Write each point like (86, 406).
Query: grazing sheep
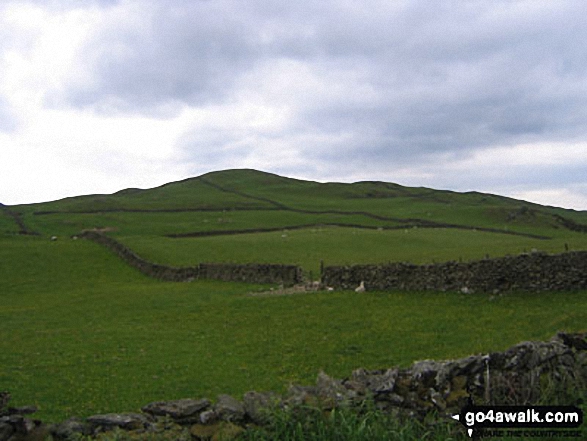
(361, 287)
(53, 238)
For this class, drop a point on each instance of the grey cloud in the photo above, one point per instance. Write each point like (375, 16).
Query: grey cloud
(211, 149)
(62, 5)
(447, 76)
(186, 52)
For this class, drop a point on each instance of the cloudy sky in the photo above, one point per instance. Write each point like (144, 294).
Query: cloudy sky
(101, 95)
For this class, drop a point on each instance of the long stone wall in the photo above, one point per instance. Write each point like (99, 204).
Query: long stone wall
(526, 272)
(521, 375)
(23, 229)
(251, 273)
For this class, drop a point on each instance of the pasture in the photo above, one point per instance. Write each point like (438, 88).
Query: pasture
(82, 333)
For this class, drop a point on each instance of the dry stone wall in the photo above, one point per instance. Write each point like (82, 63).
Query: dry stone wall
(519, 375)
(23, 229)
(527, 272)
(251, 273)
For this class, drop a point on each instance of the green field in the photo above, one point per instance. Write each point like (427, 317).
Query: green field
(83, 333)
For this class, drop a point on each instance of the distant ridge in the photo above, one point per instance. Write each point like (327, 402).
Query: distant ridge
(366, 203)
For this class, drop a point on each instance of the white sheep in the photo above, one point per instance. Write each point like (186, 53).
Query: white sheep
(361, 287)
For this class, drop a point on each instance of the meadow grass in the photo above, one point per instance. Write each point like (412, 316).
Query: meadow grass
(164, 223)
(189, 193)
(84, 334)
(343, 246)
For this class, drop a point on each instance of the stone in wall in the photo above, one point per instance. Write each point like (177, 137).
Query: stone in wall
(527, 272)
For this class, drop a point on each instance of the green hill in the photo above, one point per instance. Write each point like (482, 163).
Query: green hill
(363, 222)
(83, 333)
(371, 203)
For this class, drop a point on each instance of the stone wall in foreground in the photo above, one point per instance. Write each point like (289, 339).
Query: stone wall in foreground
(250, 273)
(527, 272)
(517, 376)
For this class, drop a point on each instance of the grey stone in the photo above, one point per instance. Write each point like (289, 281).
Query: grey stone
(257, 405)
(126, 421)
(25, 410)
(177, 409)
(386, 382)
(69, 428)
(298, 395)
(330, 388)
(6, 431)
(20, 424)
(229, 409)
(208, 417)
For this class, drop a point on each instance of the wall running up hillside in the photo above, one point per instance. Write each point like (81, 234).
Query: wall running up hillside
(251, 273)
(526, 272)
(23, 229)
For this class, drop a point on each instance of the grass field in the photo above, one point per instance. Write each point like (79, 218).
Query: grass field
(82, 333)
(341, 246)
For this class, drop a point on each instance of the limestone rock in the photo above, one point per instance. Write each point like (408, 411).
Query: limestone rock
(70, 428)
(229, 409)
(257, 405)
(208, 417)
(24, 410)
(180, 410)
(301, 395)
(331, 390)
(126, 421)
(15, 427)
(6, 431)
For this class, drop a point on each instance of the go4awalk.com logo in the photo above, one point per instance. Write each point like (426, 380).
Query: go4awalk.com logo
(554, 418)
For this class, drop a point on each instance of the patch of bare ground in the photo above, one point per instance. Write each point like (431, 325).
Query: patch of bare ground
(300, 288)
(101, 229)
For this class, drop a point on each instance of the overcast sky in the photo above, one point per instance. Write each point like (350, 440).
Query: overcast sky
(101, 95)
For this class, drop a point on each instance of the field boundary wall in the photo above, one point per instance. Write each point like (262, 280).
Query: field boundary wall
(250, 273)
(428, 390)
(534, 271)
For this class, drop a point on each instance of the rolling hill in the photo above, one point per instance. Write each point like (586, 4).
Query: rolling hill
(241, 215)
(83, 333)
(369, 203)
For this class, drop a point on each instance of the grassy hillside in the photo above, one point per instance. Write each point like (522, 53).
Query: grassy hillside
(256, 199)
(83, 333)
(342, 222)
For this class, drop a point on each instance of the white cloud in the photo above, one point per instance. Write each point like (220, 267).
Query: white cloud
(556, 197)
(65, 153)
(41, 52)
